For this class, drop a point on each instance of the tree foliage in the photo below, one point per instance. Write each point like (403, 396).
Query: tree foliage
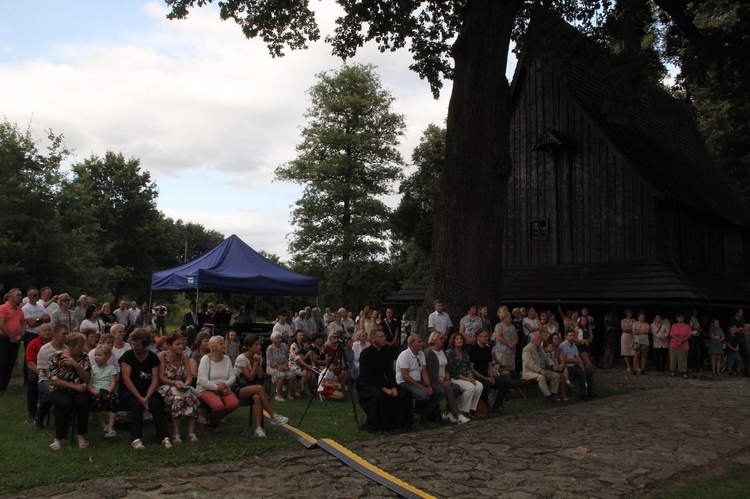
(347, 160)
(711, 49)
(468, 41)
(94, 230)
(29, 239)
(413, 218)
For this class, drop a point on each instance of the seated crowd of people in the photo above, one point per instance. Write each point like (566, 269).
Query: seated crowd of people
(80, 358)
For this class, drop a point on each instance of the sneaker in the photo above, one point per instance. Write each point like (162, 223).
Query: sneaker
(462, 419)
(166, 443)
(279, 419)
(137, 444)
(279, 398)
(110, 434)
(447, 416)
(260, 432)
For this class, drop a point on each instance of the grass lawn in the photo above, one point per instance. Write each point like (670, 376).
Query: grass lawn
(734, 482)
(28, 462)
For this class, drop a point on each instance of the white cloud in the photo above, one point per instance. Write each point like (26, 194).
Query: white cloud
(198, 104)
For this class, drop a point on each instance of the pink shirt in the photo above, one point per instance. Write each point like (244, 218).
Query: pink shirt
(679, 331)
(14, 319)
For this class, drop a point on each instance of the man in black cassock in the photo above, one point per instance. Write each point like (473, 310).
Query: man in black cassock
(388, 407)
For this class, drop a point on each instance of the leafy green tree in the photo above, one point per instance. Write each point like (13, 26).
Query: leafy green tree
(413, 218)
(32, 242)
(347, 160)
(476, 35)
(714, 75)
(113, 206)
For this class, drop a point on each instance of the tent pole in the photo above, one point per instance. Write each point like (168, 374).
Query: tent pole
(255, 312)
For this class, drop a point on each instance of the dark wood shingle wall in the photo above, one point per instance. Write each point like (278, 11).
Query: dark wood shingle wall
(596, 209)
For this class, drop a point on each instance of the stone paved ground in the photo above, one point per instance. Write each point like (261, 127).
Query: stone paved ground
(665, 428)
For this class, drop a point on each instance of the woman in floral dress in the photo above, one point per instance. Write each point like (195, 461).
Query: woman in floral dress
(175, 379)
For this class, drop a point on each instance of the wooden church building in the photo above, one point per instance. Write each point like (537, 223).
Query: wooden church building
(613, 207)
(609, 206)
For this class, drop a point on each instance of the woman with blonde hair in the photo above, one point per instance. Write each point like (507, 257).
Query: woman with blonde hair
(63, 315)
(506, 339)
(215, 379)
(119, 346)
(277, 366)
(440, 377)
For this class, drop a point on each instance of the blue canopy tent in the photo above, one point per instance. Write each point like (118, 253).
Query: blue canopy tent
(234, 267)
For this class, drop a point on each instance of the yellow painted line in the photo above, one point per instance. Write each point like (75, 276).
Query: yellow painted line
(386, 478)
(306, 440)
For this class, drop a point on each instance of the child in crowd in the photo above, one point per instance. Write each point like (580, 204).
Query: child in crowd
(329, 386)
(102, 386)
(232, 346)
(161, 344)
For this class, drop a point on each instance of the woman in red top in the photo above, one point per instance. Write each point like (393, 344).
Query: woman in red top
(679, 337)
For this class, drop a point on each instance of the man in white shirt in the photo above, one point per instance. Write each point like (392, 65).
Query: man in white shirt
(35, 315)
(49, 301)
(411, 374)
(328, 316)
(531, 324)
(347, 321)
(439, 321)
(122, 315)
(300, 322)
(284, 329)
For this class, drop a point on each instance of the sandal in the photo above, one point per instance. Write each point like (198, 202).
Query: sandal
(166, 443)
(55, 445)
(137, 444)
(176, 440)
(192, 438)
(83, 443)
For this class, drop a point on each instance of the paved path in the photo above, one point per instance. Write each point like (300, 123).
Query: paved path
(615, 446)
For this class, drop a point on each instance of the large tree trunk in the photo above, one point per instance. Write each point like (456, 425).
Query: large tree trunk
(470, 206)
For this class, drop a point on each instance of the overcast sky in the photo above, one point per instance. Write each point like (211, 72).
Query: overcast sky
(209, 113)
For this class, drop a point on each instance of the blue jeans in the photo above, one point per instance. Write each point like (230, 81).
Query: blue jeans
(424, 404)
(43, 408)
